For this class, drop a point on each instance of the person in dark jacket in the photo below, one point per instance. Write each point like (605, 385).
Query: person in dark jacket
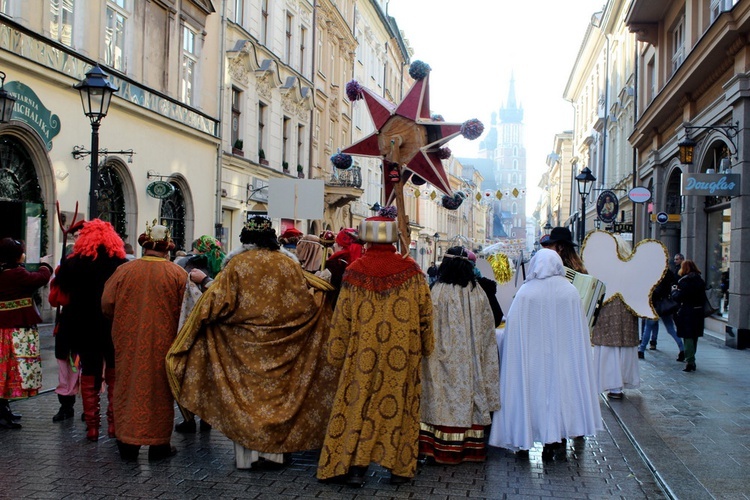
(651, 326)
(78, 286)
(690, 292)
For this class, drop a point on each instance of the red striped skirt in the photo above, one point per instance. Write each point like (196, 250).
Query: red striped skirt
(452, 445)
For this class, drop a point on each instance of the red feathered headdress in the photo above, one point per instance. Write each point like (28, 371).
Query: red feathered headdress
(96, 234)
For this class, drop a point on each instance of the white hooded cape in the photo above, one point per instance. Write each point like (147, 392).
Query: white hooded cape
(547, 381)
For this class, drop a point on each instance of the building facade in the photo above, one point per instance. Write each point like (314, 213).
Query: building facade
(161, 127)
(693, 62)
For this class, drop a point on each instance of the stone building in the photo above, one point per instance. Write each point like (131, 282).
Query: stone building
(692, 91)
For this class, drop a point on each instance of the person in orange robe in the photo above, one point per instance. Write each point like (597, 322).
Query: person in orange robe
(143, 298)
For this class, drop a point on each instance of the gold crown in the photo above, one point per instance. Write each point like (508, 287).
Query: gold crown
(157, 232)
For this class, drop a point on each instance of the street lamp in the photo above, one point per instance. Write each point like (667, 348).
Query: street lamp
(548, 227)
(7, 101)
(437, 238)
(687, 145)
(585, 182)
(96, 93)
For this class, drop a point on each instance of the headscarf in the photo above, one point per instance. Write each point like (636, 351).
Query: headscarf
(544, 264)
(310, 252)
(210, 247)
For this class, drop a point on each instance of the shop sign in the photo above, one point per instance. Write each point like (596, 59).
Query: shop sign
(30, 110)
(160, 189)
(711, 184)
(639, 194)
(607, 206)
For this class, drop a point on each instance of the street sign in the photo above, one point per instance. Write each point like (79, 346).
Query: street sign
(160, 189)
(639, 194)
(665, 217)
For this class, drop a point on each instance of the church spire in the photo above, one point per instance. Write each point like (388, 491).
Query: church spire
(511, 112)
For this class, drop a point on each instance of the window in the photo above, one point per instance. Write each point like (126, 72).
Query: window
(300, 144)
(236, 116)
(319, 53)
(288, 42)
(114, 35)
(719, 6)
(239, 11)
(302, 42)
(189, 61)
(678, 44)
(61, 21)
(261, 124)
(264, 22)
(285, 139)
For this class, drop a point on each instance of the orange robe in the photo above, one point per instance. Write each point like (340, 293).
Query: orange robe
(143, 298)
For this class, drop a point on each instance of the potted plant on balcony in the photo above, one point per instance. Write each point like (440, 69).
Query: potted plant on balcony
(262, 157)
(237, 148)
(300, 171)
(285, 166)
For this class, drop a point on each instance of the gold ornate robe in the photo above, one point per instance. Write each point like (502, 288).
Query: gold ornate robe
(249, 359)
(382, 326)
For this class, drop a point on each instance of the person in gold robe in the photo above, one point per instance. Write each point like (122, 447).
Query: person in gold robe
(250, 360)
(143, 298)
(382, 326)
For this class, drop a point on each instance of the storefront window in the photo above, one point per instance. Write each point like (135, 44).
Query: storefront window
(718, 257)
(111, 201)
(173, 216)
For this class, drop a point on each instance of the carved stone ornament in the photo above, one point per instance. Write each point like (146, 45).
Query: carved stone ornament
(264, 86)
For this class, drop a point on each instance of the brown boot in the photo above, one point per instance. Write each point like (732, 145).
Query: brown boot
(90, 397)
(109, 378)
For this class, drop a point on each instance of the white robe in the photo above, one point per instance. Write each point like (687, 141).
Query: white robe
(547, 382)
(461, 375)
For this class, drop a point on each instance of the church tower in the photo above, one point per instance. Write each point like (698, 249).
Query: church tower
(510, 169)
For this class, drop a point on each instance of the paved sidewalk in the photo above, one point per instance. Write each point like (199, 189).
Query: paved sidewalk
(693, 428)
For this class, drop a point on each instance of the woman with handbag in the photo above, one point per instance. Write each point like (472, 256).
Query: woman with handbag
(665, 307)
(690, 292)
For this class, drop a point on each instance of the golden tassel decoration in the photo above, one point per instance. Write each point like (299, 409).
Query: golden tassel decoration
(501, 267)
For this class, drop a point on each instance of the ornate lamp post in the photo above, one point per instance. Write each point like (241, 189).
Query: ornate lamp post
(96, 93)
(7, 101)
(547, 227)
(437, 238)
(585, 182)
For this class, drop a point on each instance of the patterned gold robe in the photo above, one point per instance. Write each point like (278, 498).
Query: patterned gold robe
(382, 326)
(249, 359)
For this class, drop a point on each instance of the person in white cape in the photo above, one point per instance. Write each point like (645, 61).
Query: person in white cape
(547, 381)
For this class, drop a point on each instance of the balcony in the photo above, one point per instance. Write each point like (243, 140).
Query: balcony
(346, 178)
(343, 187)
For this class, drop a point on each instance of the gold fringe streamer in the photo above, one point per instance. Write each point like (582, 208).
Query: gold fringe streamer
(501, 267)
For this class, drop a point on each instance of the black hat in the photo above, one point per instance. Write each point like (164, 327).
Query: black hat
(561, 235)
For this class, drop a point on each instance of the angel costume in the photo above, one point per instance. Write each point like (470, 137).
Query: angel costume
(547, 381)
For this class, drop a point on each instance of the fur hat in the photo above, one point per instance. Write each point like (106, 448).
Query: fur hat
(156, 237)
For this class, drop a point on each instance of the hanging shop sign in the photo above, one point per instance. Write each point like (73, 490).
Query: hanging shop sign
(711, 184)
(607, 206)
(639, 194)
(160, 189)
(30, 110)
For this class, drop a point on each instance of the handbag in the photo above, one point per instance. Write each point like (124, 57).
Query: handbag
(666, 307)
(708, 309)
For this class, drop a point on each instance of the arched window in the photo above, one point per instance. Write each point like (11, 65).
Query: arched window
(514, 208)
(111, 203)
(173, 216)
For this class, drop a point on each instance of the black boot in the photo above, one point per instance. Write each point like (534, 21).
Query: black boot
(66, 408)
(6, 416)
(13, 416)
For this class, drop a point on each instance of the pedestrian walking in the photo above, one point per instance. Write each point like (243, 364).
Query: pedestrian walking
(143, 298)
(460, 378)
(250, 358)
(77, 287)
(382, 326)
(665, 307)
(20, 360)
(547, 381)
(690, 292)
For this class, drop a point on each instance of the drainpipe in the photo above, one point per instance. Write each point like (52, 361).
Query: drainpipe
(313, 71)
(218, 217)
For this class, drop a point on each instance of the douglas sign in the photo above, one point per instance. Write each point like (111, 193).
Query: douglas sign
(711, 185)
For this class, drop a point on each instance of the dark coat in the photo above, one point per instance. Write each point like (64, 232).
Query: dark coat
(82, 325)
(490, 288)
(691, 294)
